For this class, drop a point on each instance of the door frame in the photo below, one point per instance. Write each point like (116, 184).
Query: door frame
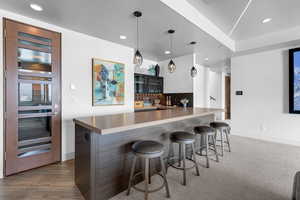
(5, 76)
(227, 97)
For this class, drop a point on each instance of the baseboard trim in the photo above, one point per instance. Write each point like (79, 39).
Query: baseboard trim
(68, 156)
(270, 139)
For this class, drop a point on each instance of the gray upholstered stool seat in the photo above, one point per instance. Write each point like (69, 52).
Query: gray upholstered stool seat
(207, 134)
(147, 150)
(224, 129)
(147, 147)
(204, 130)
(181, 136)
(183, 139)
(219, 125)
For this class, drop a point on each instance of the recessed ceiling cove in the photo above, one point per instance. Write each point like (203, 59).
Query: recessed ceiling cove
(110, 19)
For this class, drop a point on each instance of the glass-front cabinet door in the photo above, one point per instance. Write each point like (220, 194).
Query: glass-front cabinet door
(32, 110)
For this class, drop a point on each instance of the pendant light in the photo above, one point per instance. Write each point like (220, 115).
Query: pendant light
(193, 70)
(137, 58)
(171, 65)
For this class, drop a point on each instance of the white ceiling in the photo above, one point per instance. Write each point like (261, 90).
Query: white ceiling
(224, 13)
(285, 15)
(108, 19)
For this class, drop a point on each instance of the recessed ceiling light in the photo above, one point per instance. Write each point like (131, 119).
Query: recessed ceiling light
(206, 59)
(36, 7)
(167, 52)
(266, 20)
(123, 37)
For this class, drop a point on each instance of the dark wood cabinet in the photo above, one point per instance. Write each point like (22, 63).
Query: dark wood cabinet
(146, 84)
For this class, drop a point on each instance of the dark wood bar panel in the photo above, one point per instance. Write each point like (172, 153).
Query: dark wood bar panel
(103, 161)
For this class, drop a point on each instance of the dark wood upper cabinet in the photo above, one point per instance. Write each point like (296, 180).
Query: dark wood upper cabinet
(32, 96)
(146, 84)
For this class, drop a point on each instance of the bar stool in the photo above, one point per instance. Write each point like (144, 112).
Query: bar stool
(183, 139)
(147, 150)
(207, 134)
(222, 127)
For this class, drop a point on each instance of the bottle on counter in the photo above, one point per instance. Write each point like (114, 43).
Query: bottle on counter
(168, 101)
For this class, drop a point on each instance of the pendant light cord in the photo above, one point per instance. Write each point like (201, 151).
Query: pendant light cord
(137, 33)
(171, 44)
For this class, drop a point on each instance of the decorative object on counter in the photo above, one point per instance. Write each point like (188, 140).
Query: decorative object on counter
(138, 104)
(147, 101)
(171, 65)
(156, 102)
(108, 82)
(168, 101)
(151, 70)
(184, 102)
(137, 58)
(157, 70)
(176, 97)
(193, 72)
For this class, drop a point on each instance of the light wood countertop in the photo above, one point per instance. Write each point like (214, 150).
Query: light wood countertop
(108, 124)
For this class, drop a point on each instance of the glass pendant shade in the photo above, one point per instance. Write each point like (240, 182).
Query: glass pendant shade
(171, 66)
(193, 72)
(138, 58)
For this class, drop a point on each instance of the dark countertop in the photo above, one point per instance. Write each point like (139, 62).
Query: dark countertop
(108, 124)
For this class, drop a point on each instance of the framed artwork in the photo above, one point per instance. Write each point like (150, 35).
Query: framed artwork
(294, 80)
(108, 82)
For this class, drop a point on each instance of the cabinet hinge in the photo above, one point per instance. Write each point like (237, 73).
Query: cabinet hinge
(5, 155)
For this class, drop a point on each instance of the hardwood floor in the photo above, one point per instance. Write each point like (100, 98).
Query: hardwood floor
(51, 182)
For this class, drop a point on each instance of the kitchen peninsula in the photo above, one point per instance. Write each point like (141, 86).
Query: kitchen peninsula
(103, 144)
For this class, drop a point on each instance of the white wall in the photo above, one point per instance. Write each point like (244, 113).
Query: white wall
(200, 89)
(145, 66)
(180, 81)
(262, 112)
(77, 53)
(208, 83)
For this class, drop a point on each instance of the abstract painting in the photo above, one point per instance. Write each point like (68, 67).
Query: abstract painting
(108, 83)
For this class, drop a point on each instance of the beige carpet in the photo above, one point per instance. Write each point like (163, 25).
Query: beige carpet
(254, 170)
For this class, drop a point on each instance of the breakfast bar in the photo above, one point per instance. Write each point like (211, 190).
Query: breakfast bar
(103, 144)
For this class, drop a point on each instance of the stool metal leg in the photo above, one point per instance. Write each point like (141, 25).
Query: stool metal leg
(227, 138)
(195, 160)
(170, 155)
(222, 142)
(180, 155)
(146, 178)
(131, 174)
(206, 150)
(184, 167)
(163, 169)
(215, 148)
(201, 144)
(149, 174)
